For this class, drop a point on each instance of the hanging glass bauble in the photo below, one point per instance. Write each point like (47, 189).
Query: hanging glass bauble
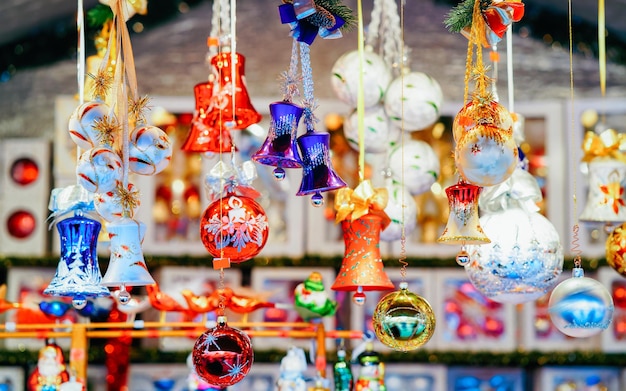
(402, 210)
(150, 150)
(376, 129)
(235, 227)
(109, 205)
(99, 170)
(616, 248)
(403, 320)
(83, 124)
(523, 260)
(346, 72)
(580, 307)
(413, 101)
(415, 164)
(222, 355)
(476, 113)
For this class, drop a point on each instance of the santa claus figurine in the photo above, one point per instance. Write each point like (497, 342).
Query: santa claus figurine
(50, 373)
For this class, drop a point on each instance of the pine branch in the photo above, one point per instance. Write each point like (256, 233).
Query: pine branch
(460, 16)
(99, 15)
(337, 8)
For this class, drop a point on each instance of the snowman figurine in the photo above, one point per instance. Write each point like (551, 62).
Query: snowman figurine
(311, 300)
(292, 368)
(372, 371)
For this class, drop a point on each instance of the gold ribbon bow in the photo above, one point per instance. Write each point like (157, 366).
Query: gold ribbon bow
(608, 144)
(364, 199)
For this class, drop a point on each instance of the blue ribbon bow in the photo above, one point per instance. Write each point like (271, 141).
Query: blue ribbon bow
(304, 31)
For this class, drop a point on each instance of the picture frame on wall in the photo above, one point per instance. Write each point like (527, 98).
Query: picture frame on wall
(415, 377)
(492, 378)
(613, 339)
(155, 377)
(12, 378)
(280, 284)
(577, 378)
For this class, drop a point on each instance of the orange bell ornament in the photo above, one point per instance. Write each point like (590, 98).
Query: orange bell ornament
(362, 266)
(224, 112)
(204, 134)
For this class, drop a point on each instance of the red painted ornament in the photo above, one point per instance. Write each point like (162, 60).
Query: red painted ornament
(24, 171)
(222, 356)
(234, 227)
(21, 224)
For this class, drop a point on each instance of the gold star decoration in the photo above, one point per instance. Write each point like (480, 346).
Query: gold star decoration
(103, 81)
(137, 107)
(128, 199)
(107, 128)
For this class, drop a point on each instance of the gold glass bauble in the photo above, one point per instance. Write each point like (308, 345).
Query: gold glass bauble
(616, 248)
(403, 320)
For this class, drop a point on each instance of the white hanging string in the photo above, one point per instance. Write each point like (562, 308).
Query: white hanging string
(80, 62)
(509, 67)
(233, 55)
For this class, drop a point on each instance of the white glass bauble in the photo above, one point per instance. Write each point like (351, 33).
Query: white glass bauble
(523, 260)
(345, 78)
(99, 170)
(375, 130)
(417, 166)
(413, 101)
(399, 216)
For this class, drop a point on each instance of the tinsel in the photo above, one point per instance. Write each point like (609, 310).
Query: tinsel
(461, 16)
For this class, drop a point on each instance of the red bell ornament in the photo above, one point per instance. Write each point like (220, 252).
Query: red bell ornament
(204, 134)
(222, 105)
(235, 227)
(463, 225)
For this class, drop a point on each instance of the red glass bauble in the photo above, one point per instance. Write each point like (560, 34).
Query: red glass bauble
(234, 227)
(222, 356)
(21, 224)
(24, 171)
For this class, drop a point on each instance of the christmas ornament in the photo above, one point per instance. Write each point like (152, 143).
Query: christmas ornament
(362, 217)
(127, 267)
(342, 372)
(51, 372)
(413, 101)
(204, 134)
(222, 355)
(402, 211)
(311, 300)
(110, 205)
(307, 19)
(475, 113)
(234, 227)
(606, 201)
(292, 369)
(194, 383)
(88, 125)
(99, 170)
(525, 257)
(280, 149)
(376, 126)
(580, 307)
(345, 78)
(150, 150)
(615, 247)
(371, 372)
(403, 320)
(414, 164)
(463, 225)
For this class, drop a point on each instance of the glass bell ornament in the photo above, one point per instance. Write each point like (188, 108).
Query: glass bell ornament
(78, 273)
(317, 173)
(615, 249)
(127, 267)
(376, 129)
(606, 201)
(204, 134)
(415, 164)
(345, 77)
(280, 149)
(99, 170)
(403, 320)
(525, 256)
(221, 112)
(413, 101)
(580, 307)
(463, 225)
(83, 122)
(222, 356)
(362, 268)
(235, 227)
(149, 150)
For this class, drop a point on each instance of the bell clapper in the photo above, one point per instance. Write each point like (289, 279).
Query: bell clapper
(79, 302)
(279, 173)
(317, 200)
(123, 296)
(359, 297)
(462, 258)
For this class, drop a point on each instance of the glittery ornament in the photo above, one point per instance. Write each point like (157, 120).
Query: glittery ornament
(83, 125)
(476, 113)
(415, 164)
(375, 126)
(403, 320)
(150, 150)
(109, 205)
(222, 355)
(345, 78)
(581, 307)
(463, 225)
(606, 200)
(413, 101)
(234, 227)
(99, 170)
(616, 248)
